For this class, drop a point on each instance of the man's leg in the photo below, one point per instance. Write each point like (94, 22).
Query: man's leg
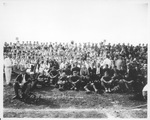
(8, 75)
(94, 87)
(60, 84)
(86, 88)
(78, 84)
(104, 85)
(16, 88)
(56, 82)
(26, 88)
(33, 84)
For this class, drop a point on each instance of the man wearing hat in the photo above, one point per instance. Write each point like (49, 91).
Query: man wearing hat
(8, 64)
(21, 82)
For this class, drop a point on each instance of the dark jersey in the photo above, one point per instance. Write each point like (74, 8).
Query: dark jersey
(54, 72)
(63, 78)
(68, 71)
(92, 71)
(107, 78)
(74, 78)
(106, 70)
(77, 69)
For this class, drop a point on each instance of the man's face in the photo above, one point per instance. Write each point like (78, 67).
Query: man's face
(106, 66)
(74, 73)
(23, 72)
(106, 74)
(84, 66)
(53, 68)
(9, 55)
(75, 64)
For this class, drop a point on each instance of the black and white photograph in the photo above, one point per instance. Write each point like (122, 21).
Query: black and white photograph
(74, 58)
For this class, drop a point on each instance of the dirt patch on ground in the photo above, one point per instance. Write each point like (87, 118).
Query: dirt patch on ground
(75, 104)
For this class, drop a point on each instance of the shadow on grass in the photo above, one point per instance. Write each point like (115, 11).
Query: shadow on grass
(45, 88)
(47, 103)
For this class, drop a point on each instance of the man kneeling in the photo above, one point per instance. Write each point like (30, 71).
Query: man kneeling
(22, 83)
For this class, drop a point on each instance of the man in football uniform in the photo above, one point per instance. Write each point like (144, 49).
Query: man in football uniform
(22, 83)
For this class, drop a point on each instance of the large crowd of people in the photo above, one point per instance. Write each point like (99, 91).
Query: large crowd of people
(87, 66)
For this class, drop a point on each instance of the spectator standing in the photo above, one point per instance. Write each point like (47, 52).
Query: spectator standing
(8, 64)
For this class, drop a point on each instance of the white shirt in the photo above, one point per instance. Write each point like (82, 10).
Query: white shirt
(118, 63)
(8, 63)
(62, 66)
(24, 80)
(145, 88)
(108, 62)
(98, 70)
(42, 67)
(87, 65)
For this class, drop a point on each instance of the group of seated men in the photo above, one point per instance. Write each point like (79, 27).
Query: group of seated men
(73, 77)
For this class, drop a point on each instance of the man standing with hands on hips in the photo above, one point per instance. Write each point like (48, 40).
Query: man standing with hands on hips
(8, 64)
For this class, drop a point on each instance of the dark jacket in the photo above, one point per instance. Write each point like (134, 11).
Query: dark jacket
(19, 78)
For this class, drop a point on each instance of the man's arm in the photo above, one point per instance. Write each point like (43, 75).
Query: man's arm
(81, 72)
(18, 79)
(102, 79)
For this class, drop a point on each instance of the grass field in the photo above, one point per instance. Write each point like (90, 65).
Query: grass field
(74, 104)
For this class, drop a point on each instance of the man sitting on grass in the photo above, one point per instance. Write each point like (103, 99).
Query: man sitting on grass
(75, 81)
(94, 83)
(85, 79)
(106, 82)
(63, 81)
(54, 76)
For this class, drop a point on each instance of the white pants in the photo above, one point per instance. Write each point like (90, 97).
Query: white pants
(8, 72)
(144, 91)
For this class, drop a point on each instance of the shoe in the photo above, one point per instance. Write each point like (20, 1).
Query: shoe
(16, 97)
(87, 92)
(106, 91)
(72, 88)
(75, 88)
(109, 90)
(56, 86)
(96, 90)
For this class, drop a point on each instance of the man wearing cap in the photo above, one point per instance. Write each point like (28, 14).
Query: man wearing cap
(21, 82)
(8, 64)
